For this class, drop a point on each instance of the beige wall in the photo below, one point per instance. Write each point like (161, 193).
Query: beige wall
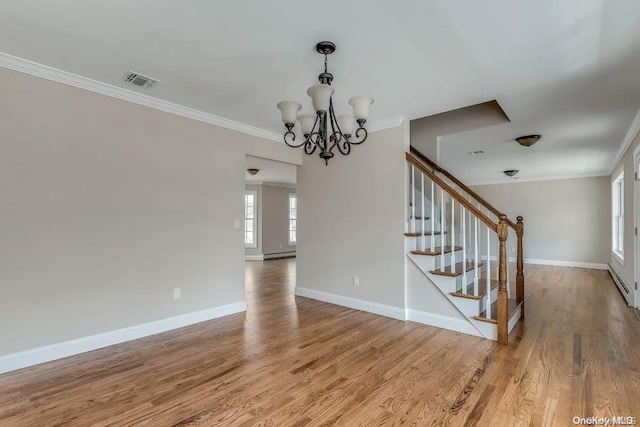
(275, 219)
(565, 220)
(425, 131)
(351, 221)
(106, 206)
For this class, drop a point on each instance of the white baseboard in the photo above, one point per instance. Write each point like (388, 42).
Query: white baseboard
(592, 265)
(280, 255)
(254, 257)
(23, 359)
(443, 322)
(358, 304)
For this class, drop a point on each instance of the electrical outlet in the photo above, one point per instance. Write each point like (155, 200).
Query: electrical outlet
(356, 281)
(176, 293)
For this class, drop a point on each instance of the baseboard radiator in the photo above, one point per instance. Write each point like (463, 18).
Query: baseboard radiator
(618, 280)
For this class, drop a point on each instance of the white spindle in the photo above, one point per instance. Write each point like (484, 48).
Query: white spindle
(453, 235)
(463, 217)
(413, 199)
(423, 245)
(508, 283)
(442, 208)
(488, 305)
(476, 277)
(433, 217)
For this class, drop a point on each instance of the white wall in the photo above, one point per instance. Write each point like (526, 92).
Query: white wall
(565, 220)
(106, 206)
(351, 221)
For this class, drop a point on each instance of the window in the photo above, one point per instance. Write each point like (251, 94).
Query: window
(250, 224)
(617, 199)
(293, 215)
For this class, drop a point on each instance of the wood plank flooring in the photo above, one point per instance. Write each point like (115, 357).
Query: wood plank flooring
(295, 361)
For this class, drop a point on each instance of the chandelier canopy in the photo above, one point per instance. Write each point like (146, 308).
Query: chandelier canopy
(323, 130)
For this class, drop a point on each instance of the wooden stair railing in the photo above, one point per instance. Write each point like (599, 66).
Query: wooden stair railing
(518, 227)
(501, 229)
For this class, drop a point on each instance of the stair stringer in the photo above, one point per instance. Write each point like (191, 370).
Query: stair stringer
(428, 304)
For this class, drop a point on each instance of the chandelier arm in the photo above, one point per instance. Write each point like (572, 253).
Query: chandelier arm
(292, 136)
(343, 144)
(311, 144)
(334, 120)
(360, 131)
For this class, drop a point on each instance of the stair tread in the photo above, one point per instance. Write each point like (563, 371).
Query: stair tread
(419, 233)
(512, 305)
(437, 250)
(482, 290)
(458, 270)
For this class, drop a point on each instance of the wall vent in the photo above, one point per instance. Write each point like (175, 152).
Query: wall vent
(139, 80)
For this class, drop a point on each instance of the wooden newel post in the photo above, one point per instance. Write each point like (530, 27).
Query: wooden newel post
(503, 308)
(520, 265)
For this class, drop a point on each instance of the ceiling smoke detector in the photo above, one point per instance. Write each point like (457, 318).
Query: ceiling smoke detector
(253, 171)
(139, 80)
(476, 153)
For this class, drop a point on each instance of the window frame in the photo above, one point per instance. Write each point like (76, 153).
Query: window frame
(253, 245)
(293, 220)
(617, 217)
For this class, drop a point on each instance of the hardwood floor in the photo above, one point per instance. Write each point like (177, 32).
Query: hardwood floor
(295, 361)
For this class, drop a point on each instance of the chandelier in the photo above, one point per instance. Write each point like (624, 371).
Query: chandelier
(323, 130)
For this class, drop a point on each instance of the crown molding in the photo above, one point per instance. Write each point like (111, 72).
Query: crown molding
(546, 178)
(64, 77)
(44, 71)
(385, 124)
(633, 130)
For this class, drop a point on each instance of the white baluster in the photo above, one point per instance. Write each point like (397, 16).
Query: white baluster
(488, 308)
(433, 217)
(476, 277)
(508, 283)
(463, 217)
(453, 235)
(423, 245)
(442, 208)
(413, 199)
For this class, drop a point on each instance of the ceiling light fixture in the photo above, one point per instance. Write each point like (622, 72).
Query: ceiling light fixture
(511, 172)
(253, 171)
(323, 129)
(528, 140)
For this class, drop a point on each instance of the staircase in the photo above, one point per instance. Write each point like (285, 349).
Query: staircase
(458, 247)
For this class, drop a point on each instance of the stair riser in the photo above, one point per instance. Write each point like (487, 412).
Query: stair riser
(453, 284)
(416, 242)
(433, 262)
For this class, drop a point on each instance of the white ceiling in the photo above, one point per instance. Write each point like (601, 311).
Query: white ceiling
(271, 172)
(568, 69)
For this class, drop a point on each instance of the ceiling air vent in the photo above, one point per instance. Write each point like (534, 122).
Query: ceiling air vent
(139, 80)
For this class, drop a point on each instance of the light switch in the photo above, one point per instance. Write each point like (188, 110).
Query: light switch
(236, 223)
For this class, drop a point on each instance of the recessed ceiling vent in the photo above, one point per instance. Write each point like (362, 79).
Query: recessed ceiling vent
(139, 80)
